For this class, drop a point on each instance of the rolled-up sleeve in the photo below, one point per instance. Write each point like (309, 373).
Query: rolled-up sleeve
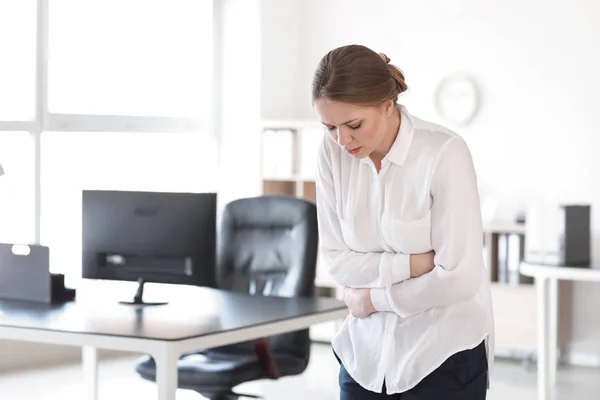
(456, 237)
(346, 266)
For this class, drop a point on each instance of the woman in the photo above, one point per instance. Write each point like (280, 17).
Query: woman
(400, 228)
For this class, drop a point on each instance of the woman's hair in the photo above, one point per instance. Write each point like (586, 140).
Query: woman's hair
(357, 75)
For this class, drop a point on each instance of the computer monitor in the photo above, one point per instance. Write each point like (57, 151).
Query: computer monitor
(149, 237)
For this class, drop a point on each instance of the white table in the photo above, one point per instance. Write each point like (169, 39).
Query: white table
(214, 318)
(546, 279)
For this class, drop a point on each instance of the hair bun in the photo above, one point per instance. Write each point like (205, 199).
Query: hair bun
(398, 77)
(385, 58)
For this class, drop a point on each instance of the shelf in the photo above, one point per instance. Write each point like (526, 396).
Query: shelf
(291, 124)
(281, 178)
(279, 187)
(522, 283)
(309, 190)
(291, 178)
(504, 227)
(289, 150)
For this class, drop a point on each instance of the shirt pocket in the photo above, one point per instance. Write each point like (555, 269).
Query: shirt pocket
(410, 237)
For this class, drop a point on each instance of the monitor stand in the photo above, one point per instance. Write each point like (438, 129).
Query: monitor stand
(137, 299)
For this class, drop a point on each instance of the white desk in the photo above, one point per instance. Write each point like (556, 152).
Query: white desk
(546, 279)
(214, 318)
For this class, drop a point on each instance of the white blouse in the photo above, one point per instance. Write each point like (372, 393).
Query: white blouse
(425, 197)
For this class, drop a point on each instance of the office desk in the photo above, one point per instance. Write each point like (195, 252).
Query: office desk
(546, 280)
(212, 318)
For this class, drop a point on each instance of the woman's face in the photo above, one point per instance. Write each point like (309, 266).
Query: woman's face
(359, 130)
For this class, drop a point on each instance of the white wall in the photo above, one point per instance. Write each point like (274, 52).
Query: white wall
(536, 61)
(239, 110)
(280, 50)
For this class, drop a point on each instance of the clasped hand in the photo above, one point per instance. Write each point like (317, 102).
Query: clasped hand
(358, 300)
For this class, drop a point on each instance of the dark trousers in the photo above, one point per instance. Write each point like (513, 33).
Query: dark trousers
(463, 376)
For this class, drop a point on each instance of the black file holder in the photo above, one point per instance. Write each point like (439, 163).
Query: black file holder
(25, 275)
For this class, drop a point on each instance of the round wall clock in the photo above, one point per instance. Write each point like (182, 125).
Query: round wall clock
(457, 99)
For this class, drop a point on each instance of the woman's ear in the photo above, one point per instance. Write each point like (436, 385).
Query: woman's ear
(388, 107)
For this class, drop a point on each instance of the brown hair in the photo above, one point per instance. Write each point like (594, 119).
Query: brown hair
(357, 75)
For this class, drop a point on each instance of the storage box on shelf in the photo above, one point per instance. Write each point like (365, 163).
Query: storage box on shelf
(289, 151)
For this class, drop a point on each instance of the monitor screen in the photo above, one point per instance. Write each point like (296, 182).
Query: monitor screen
(149, 236)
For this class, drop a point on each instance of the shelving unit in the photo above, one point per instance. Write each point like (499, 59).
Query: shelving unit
(504, 250)
(514, 295)
(289, 151)
(513, 298)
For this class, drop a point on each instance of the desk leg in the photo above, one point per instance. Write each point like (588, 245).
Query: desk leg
(547, 308)
(89, 357)
(552, 334)
(543, 339)
(166, 373)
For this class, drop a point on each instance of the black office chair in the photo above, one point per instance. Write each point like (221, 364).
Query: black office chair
(267, 246)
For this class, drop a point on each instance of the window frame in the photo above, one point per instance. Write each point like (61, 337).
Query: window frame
(54, 122)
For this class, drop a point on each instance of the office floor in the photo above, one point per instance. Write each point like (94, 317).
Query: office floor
(510, 381)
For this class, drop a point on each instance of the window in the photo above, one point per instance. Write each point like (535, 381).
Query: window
(17, 188)
(17, 69)
(134, 57)
(73, 161)
(116, 71)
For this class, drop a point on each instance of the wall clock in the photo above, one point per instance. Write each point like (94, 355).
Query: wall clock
(457, 98)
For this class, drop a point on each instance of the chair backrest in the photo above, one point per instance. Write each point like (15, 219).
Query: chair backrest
(268, 246)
